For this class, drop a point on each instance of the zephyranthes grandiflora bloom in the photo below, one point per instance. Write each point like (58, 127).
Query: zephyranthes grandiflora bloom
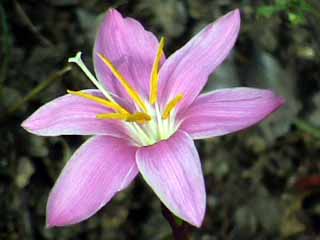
(144, 115)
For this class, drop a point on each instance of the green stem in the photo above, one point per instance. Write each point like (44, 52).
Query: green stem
(34, 92)
(307, 127)
(6, 47)
(180, 230)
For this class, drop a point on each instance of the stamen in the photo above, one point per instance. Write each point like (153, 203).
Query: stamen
(99, 100)
(77, 60)
(171, 105)
(130, 90)
(139, 117)
(155, 73)
(113, 116)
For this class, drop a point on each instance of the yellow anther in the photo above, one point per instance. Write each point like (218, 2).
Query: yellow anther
(130, 90)
(155, 73)
(99, 100)
(113, 116)
(171, 105)
(139, 117)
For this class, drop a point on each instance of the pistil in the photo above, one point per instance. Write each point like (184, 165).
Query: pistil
(77, 60)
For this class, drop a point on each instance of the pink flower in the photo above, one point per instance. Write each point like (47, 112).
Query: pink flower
(145, 114)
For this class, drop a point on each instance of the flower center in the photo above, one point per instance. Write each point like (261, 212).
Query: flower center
(147, 124)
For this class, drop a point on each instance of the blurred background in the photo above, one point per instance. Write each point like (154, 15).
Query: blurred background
(262, 183)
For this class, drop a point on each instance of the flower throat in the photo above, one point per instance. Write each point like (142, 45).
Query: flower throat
(147, 124)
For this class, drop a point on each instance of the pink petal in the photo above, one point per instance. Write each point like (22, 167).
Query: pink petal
(132, 50)
(72, 115)
(187, 70)
(94, 174)
(228, 110)
(173, 170)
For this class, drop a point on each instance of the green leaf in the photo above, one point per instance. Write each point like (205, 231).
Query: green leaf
(296, 19)
(267, 11)
(282, 4)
